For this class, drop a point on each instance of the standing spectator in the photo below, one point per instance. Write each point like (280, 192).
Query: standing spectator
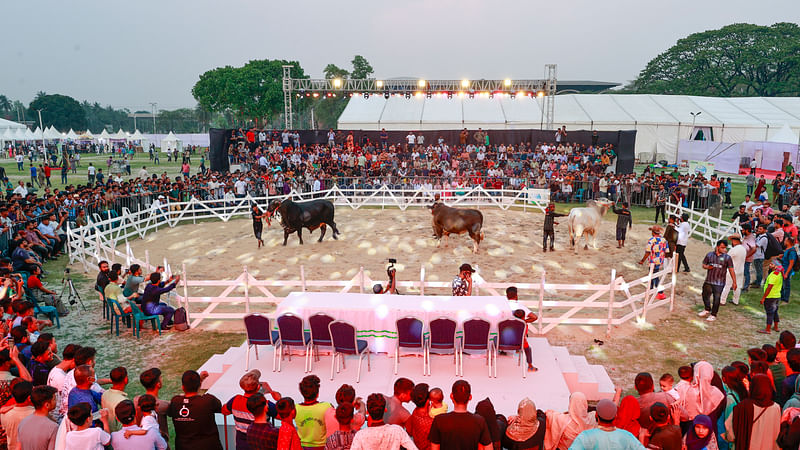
(738, 253)
(684, 232)
(396, 413)
(718, 264)
(605, 436)
(419, 424)
(462, 283)
(113, 396)
(671, 235)
(345, 394)
(125, 412)
(38, 431)
(311, 414)
(378, 434)
(237, 405)
(665, 435)
(624, 221)
(755, 421)
(526, 430)
(700, 434)
(485, 409)
(772, 295)
(749, 243)
(342, 439)
(21, 409)
(261, 435)
(288, 438)
(661, 203)
(151, 381)
(655, 252)
(193, 415)
(645, 387)
(459, 429)
(84, 436)
(789, 263)
(549, 231)
(41, 355)
(91, 171)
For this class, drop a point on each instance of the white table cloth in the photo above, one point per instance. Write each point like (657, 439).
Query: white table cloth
(374, 316)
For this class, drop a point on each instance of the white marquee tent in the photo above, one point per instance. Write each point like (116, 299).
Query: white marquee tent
(660, 120)
(171, 142)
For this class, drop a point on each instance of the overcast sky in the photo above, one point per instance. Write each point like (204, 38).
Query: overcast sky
(128, 54)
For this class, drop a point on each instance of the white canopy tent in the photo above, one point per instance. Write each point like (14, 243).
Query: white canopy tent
(660, 121)
(171, 142)
(104, 136)
(71, 135)
(53, 134)
(86, 136)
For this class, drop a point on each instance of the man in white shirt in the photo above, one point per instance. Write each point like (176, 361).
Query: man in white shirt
(411, 138)
(379, 435)
(738, 253)
(240, 187)
(142, 173)
(684, 232)
(21, 189)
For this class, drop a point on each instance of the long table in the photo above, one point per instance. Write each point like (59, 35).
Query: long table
(374, 316)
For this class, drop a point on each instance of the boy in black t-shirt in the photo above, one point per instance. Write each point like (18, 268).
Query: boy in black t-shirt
(193, 415)
(460, 429)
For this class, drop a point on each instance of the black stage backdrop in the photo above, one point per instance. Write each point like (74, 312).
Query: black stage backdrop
(623, 141)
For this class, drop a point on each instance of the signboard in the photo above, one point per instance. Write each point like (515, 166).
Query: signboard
(705, 168)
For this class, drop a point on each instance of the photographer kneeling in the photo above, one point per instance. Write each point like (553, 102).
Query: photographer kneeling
(44, 295)
(391, 285)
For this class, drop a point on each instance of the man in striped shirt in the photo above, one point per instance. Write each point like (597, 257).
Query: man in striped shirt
(242, 417)
(549, 231)
(718, 264)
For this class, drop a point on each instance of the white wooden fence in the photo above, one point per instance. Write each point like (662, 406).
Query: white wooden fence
(705, 226)
(601, 304)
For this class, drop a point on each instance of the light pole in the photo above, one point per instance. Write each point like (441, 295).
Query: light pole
(153, 104)
(41, 128)
(694, 117)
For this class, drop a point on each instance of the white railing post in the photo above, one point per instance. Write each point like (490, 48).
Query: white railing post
(541, 302)
(185, 280)
(647, 292)
(611, 288)
(673, 273)
(361, 280)
(422, 280)
(247, 291)
(303, 277)
(147, 260)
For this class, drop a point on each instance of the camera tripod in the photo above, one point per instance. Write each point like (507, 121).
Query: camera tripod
(73, 297)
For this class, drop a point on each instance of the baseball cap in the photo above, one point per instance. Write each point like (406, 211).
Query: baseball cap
(250, 381)
(466, 268)
(606, 410)
(125, 412)
(655, 229)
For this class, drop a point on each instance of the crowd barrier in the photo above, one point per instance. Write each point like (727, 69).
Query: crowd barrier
(607, 305)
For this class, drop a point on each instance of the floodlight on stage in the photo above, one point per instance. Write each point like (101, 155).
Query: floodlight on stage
(315, 94)
(521, 93)
(379, 84)
(507, 82)
(421, 83)
(418, 94)
(465, 84)
(337, 83)
(540, 94)
(461, 94)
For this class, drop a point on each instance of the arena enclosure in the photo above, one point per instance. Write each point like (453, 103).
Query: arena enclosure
(623, 141)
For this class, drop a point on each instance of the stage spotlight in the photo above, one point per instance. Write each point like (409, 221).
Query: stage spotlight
(521, 93)
(337, 83)
(386, 95)
(379, 84)
(421, 83)
(308, 95)
(418, 94)
(540, 94)
(507, 82)
(465, 84)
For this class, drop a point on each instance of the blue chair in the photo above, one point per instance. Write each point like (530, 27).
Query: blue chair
(345, 342)
(259, 332)
(443, 337)
(114, 306)
(579, 195)
(291, 334)
(476, 338)
(106, 312)
(320, 335)
(409, 335)
(511, 337)
(50, 311)
(138, 315)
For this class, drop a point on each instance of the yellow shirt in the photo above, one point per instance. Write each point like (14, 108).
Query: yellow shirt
(776, 280)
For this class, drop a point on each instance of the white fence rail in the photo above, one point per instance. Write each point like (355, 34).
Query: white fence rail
(705, 226)
(608, 305)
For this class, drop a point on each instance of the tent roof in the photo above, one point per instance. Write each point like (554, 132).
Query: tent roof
(170, 138)
(136, 136)
(785, 135)
(52, 133)
(10, 124)
(104, 134)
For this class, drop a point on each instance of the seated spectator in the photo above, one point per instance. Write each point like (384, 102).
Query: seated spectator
(133, 280)
(193, 415)
(43, 295)
(396, 413)
(125, 412)
(605, 436)
(419, 423)
(563, 428)
(115, 394)
(84, 437)
(151, 298)
(345, 394)
(237, 405)
(288, 438)
(260, 433)
(342, 439)
(21, 342)
(459, 428)
(526, 430)
(378, 434)
(665, 434)
(22, 408)
(38, 430)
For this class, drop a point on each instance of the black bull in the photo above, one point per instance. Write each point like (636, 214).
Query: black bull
(312, 215)
(447, 221)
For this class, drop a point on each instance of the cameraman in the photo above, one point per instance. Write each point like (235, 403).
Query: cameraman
(44, 295)
(391, 286)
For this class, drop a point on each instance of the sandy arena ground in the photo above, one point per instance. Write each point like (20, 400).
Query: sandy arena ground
(511, 253)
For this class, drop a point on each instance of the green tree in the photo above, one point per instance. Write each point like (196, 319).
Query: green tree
(361, 68)
(253, 91)
(736, 60)
(5, 105)
(333, 71)
(60, 111)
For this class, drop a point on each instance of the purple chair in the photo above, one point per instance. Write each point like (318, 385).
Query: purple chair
(476, 337)
(511, 337)
(291, 334)
(409, 335)
(320, 335)
(343, 336)
(259, 333)
(443, 337)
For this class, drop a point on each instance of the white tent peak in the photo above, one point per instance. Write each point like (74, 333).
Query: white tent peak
(785, 136)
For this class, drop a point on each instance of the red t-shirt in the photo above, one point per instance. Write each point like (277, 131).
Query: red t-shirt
(251, 137)
(34, 282)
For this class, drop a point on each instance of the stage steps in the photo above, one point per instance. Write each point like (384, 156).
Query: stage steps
(218, 364)
(581, 376)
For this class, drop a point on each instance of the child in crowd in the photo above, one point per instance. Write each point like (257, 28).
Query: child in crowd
(438, 406)
(685, 373)
(149, 419)
(287, 435)
(776, 368)
(666, 382)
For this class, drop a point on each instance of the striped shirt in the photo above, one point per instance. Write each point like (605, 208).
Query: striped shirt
(720, 264)
(549, 218)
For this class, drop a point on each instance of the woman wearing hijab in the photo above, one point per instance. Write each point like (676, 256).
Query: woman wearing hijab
(702, 397)
(563, 428)
(526, 430)
(735, 392)
(794, 400)
(755, 422)
(485, 409)
(628, 415)
(700, 436)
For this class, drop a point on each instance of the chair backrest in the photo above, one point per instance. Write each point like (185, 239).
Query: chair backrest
(510, 334)
(290, 329)
(476, 334)
(258, 329)
(320, 334)
(116, 308)
(343, 337)
(409, 332)
(443, 333)
(135, 309)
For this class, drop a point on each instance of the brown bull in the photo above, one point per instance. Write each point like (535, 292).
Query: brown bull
(447, 221)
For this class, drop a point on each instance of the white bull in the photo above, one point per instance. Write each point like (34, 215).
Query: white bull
(586, 221)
